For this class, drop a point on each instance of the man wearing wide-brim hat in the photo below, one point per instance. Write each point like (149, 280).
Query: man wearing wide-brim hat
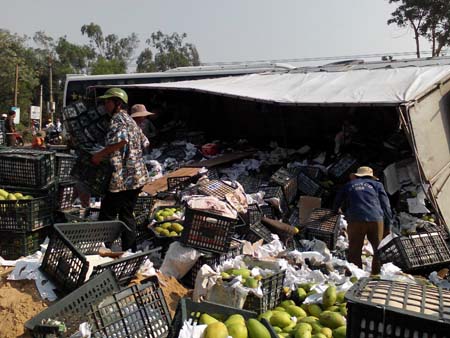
(367, 206)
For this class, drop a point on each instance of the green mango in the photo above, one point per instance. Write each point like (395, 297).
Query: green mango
(287, 302)
(296, 311)
(216, 330)
(340, 332)
(340, 297)
(281, 319)
(329, 297)
(250, 282)
(236, 318)
(300, 294)
(4, 193)
(256, 329)
(237, 330)
(332, 320)
(207, 319)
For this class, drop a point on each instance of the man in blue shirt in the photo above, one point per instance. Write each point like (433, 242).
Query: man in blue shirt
(367, 206)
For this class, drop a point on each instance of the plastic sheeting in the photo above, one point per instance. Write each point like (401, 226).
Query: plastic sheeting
(376, 86)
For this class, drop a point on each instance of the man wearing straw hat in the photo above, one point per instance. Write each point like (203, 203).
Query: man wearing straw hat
(367, 206)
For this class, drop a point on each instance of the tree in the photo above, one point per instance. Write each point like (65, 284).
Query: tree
(437, 25)
(145, 63)
(171, 52)
(13, 51)
(410, 13)
(112, 53)
(428, 18)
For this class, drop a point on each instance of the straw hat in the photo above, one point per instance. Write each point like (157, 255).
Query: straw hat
(139, 110)
(365, 171)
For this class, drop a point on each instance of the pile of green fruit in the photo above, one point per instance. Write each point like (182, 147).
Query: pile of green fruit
(7, 196)
(168, 214)
(324, 320)
(234, 326)
(169, 229)
(247, 280)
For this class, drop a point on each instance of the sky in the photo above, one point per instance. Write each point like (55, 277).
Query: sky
(226, 31)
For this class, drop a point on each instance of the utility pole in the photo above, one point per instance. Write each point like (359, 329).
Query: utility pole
(40, 106)
(51, 86)
(16, 85)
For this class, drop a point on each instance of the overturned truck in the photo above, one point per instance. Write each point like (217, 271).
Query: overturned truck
(309, 106)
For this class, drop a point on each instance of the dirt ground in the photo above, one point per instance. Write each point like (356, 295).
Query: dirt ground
(19, 302)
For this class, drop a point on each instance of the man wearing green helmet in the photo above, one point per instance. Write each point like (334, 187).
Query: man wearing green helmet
(125, 142)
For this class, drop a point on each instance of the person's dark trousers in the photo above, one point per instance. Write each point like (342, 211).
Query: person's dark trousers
(121, 204)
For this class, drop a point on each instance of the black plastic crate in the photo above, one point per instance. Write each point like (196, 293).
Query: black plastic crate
(313, 172)
(26, 167)
(64, 166)
(137, 311)
(215, 188)
(250, 184)
(65, 261)
(254, 214)
(268, 211)
(143, 205)
(65, 195)
(190, 310)
(27, 214)
(213, 174)
(257, 231)
(178, 183)
(69, 112)
(96, 177)
(323, 224)
(287, 181)
(208, 231)
(276, 192)
(14, 245)
(389, 309)
(343, 167)
(294, 218)
(72, 310)
(416, 253)
(308, 186)
(142, 231)
(213, 260)
(272, 289)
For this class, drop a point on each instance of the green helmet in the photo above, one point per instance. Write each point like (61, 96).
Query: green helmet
(115, 92)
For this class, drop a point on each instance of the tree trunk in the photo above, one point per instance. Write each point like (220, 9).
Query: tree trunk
(416, 37)
(433, 37)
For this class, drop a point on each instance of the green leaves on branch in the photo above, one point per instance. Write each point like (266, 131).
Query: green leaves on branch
(170, 52)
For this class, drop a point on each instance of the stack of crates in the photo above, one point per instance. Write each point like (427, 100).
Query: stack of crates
(65, 183)
(27, 210)
(87, 128)
(2, 133)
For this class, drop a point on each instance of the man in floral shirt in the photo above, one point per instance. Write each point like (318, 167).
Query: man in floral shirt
(125, 142)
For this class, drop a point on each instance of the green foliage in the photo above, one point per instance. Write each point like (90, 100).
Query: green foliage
(171, 52)
(110, 47)
(104, 54)
(13, 51)
(105, 66)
